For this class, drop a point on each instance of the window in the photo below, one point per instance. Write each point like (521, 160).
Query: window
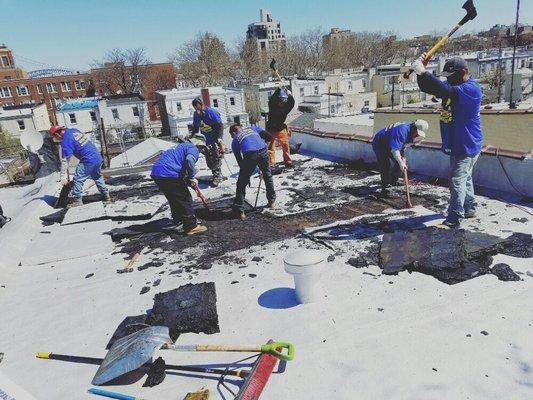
(135, 111)
(215, 103)
(236, 119)
(72, 118)
(40, 89)
(232, 101)
(350, 85)
(114, 111)
(302, 93)
(5, 61)
(51, 87)
(93, 115)
(270, 94)
(22, 125)
(316, 89)
(65, 86)
(364, 83)
(179, 106)
(367, 103)
(5, 92)
(22, 90)
(80, 85)
(332, 109)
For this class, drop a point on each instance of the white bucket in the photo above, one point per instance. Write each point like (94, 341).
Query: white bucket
(306, 267)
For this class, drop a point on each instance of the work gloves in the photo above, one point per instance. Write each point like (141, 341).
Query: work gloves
(193, 183)
(403, 165)
(64, 179)
(419, 66)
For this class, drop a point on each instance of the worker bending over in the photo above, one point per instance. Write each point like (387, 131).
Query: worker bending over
(250, 151)
(389, 145)
(77, 144)
(460, 128)
(280, 105)
(207, 121)
(172, 173)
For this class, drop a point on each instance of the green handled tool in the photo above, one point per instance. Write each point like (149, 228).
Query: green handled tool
(132, 351)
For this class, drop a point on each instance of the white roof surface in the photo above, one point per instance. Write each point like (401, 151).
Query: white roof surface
(372, 337)
(141, 152)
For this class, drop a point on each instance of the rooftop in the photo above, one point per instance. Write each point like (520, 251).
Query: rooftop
(409, 335)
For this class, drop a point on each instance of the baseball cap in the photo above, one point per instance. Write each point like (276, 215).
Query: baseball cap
(453, 65)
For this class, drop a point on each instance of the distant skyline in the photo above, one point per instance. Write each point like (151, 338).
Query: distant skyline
(71, 34)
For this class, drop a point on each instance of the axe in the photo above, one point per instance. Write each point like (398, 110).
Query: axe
(273, 67)
(471, 13)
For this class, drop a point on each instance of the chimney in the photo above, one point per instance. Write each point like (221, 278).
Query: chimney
(205, 97)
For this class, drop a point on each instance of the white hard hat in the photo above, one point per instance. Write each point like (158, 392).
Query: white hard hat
(422, 127)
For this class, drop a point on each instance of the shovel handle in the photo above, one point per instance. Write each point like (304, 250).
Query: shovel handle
(275, 349)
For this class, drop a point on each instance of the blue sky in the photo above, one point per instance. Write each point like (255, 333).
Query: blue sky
(73, 33)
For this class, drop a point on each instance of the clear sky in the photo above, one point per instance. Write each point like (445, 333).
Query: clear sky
(72, 33)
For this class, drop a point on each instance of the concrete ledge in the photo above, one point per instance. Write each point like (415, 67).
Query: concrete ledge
(506, 171)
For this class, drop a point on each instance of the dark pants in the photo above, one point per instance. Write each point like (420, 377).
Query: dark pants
(388, 166)
(214, 161)
(250, 162)
(180, 201)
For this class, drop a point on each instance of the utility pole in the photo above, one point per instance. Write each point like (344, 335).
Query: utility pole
(512, 104)
(500, 73)
(392, 95)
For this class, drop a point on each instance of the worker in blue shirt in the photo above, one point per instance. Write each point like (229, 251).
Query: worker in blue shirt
(207, 121)
(250, 151)
(173, 172)
(389, 144)
(461, 133)
(77, 144)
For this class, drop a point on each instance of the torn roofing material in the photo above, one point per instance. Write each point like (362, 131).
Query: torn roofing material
(450, 255)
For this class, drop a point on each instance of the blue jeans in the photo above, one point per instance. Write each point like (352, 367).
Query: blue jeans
(252, 160)
(461, 186)
(83, 172)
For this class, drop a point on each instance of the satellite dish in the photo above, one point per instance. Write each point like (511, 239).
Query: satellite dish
(31, 140)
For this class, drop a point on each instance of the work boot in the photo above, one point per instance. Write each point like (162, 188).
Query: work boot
(75, 203)
(197, 229)
(106, 198)
(272, 205)
(451, 224)
(470, 214)
(289, 165)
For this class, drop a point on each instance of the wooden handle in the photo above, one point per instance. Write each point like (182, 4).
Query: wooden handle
(406, 181)
(216, 347)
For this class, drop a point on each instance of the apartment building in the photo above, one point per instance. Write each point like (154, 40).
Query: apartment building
(267, 32)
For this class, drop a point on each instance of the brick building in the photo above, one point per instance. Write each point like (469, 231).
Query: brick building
(17, 88)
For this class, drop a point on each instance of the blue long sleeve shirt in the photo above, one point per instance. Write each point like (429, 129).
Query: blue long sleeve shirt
(460, 125)
(393, 137)
(209, 123)
(247, 140)
(179, 162)
(77, 144)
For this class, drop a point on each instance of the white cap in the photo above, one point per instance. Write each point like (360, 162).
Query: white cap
(422, 127)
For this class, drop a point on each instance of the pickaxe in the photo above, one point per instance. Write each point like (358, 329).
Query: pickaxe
(273, 67)
(471, 13)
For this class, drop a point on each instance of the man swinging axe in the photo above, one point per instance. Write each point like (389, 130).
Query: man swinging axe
(207, 121)
(460, 125)
(389, 144)
(280, 105)
(250, 151)
(172, 173)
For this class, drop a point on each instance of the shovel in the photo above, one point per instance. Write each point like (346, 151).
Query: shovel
(132, 351)
(201, 196)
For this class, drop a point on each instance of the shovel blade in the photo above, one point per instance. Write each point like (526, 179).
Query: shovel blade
(131, 352)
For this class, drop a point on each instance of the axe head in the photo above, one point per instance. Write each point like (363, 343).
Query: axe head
(471, 12)
(273, 64)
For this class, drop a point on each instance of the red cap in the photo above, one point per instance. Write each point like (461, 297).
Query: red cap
(55, 129)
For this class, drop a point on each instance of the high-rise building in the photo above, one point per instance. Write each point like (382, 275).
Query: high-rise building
(267, 32)
(8, 69)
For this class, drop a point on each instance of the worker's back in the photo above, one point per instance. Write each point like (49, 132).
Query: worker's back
(171, 164)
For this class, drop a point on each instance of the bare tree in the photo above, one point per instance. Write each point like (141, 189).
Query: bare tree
(204, 60)
(120, 71)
